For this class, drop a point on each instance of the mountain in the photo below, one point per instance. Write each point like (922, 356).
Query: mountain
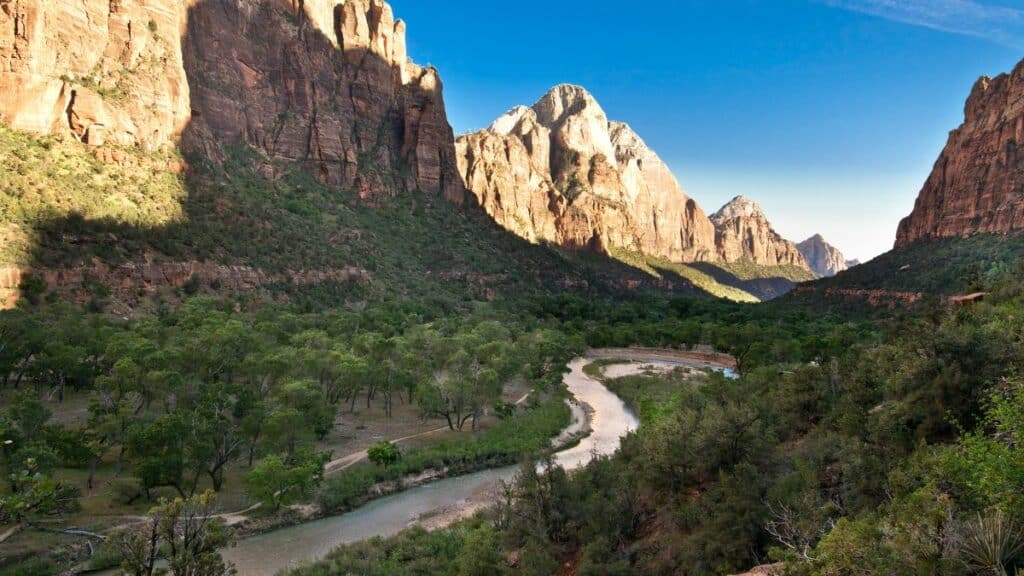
(976, 183)
(824, 259)
(743, 233)
(560, 172)
(317, 82)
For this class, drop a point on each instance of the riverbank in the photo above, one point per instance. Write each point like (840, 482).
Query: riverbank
(439, 503)
(600, 419)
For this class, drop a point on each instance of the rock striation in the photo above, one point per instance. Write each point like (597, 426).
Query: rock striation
(325, 83)
(561, 172)
(743, 233)
(977, 184)
(823, 258)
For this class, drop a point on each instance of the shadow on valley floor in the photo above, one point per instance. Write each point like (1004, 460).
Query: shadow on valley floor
(765, 282)
(316, 197)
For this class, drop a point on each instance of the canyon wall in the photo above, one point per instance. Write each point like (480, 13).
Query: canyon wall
(320, 82)
(743, 233)
(977, 184)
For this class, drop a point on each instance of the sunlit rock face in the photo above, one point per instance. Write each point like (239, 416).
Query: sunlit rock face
(561, 172)
(744, 234)
(977, 184)
(823, 258)
(320, 82)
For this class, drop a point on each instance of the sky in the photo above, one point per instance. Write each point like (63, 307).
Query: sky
(829, 113)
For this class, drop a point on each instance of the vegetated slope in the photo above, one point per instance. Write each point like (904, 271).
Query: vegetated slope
(737, 281)
(135, 230)
(938, 267)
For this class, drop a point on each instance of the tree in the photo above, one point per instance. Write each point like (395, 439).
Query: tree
(158, 454)
(480, 554)
(384, 453)
(186, 532)
(277, 482)
(29, 490)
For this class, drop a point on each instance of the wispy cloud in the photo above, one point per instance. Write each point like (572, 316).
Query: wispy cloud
(1000, 24)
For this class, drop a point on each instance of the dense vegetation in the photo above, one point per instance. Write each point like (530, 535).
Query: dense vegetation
(208, 397)
(888, 450)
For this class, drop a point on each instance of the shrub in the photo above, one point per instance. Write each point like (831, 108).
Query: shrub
(384, 453)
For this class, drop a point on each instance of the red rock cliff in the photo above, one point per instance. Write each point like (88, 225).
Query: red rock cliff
(320, 82)
(977, 184)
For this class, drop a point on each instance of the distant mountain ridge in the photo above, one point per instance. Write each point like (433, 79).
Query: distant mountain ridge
(561, 172)
(825, 259)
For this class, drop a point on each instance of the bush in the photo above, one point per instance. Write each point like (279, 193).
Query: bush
(384, 453)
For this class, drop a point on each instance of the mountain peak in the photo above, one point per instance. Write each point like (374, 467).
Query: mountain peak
(508, 121)
(975, 184)
(567, 101)
(738, 207)
(823, 258)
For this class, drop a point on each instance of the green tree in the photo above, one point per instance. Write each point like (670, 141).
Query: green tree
(277, 482)
(185, 532)
(383, 453)
(481, 554)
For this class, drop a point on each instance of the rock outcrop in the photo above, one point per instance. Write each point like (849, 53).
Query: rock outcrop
(977, 184)
(326, 83)
(560, 172)
(823, 258)
(743, 233)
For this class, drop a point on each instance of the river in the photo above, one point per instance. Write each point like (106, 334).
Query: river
(610, 420)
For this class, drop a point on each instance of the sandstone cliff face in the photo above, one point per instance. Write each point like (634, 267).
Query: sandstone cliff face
(99, 70)
(743, 233)
(321, 82)
(823, 258)
(977, 184)
(560, 172)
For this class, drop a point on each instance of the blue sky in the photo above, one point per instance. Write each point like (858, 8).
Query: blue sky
(830, 113)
